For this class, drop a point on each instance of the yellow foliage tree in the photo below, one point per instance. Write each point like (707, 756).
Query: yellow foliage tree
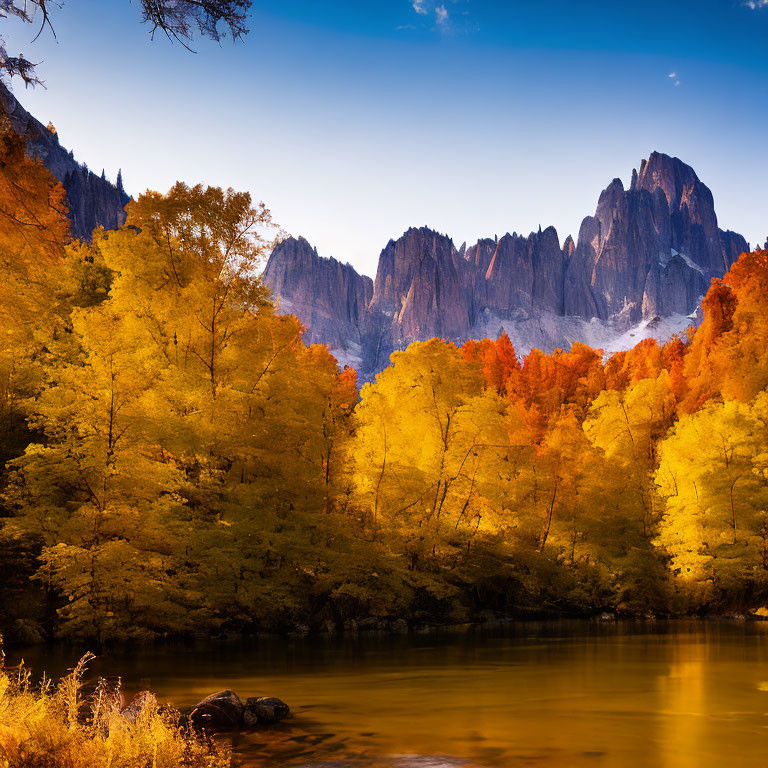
(713, 524)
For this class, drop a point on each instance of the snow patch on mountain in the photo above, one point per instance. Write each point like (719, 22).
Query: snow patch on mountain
(688, 260)
(546, 331)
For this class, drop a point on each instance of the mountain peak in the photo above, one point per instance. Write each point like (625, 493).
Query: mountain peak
(671, 175)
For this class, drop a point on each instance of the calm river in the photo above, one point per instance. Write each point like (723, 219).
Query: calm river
(674, 694)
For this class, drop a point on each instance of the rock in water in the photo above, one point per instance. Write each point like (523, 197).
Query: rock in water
(218, 712)
(264, 710)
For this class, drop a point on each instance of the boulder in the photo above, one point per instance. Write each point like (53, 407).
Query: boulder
(220, 711)
(264, 710)
(142, 701)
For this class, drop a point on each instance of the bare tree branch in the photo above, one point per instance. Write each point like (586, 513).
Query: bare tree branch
(179, 20)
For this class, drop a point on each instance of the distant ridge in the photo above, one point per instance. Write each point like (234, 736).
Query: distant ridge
(638, 268)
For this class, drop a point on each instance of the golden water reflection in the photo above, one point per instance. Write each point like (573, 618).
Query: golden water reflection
(679, 695)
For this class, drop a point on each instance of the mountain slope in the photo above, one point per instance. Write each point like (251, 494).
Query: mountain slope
(93, 201)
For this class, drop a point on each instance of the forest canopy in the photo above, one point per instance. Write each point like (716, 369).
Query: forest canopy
(177, 460)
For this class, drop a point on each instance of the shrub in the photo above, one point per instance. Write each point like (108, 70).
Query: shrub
(56, 726)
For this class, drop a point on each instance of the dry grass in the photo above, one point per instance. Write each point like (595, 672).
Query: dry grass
(56, 726)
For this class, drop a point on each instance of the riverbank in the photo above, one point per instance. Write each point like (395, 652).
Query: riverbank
(393, 626)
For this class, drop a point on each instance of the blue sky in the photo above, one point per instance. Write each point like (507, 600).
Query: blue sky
(356, 120)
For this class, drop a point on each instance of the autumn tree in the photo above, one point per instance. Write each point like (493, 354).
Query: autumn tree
(132, 418)
(546, 383)
(33, 232)
(417, 486)
(727, 355)
(713, 524)
(497, 358)
(96, 494)
(200, 446)
(627, 427)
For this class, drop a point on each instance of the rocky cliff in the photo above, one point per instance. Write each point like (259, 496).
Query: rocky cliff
(652, 249)
(92, 200)
(329, 297)
(638, 268)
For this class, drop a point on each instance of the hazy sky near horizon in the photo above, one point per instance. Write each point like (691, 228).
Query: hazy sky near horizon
(355, 119)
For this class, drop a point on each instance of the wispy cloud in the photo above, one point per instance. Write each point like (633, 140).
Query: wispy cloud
(756, 4)
(449, 17)
(673, 76)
